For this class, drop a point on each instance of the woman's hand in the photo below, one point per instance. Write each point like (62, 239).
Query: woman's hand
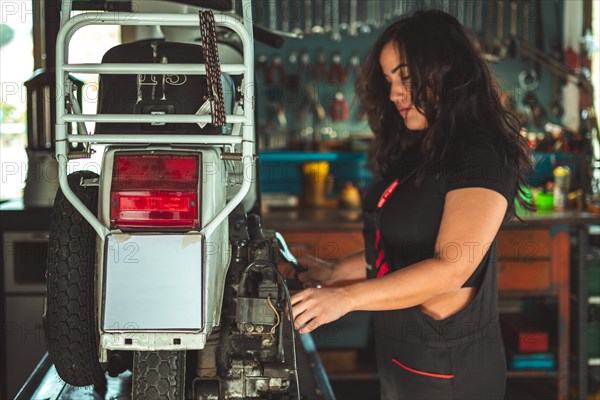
(312, 308)
(318, 272)
(324, 273)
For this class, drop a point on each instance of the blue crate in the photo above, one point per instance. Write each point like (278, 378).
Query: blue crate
(545, 361)
(281, 171)
(545, 163)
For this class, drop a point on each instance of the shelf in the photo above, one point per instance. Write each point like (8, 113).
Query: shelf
(534, 373)
(372, 375)
(353, 376)
(527, 293)
(523, 259)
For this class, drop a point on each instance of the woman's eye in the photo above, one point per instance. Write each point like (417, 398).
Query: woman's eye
(405, 78)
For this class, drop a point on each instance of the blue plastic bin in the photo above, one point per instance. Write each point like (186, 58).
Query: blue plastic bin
(281, 171)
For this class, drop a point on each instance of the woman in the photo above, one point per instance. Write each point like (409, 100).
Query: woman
(450, 160)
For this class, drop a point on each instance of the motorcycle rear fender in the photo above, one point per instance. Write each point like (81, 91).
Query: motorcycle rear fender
(215, 261)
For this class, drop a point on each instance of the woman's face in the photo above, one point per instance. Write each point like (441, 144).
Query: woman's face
(396, 72)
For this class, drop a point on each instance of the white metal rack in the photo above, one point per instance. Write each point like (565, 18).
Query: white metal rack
(70, 25)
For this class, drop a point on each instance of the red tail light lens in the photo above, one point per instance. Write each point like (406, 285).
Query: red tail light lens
(155, 191)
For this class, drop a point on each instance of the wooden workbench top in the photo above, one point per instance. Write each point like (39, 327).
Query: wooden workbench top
(325, 219)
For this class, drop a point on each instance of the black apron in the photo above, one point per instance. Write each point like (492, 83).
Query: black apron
(418, 357)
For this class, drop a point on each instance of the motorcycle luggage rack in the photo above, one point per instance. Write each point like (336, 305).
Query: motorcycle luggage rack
(242, 26)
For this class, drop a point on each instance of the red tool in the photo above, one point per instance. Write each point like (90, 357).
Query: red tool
(276, 72)
(320, 70)
(339, 108)
(337, 73)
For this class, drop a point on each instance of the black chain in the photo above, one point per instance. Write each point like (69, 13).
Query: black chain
(213, 68)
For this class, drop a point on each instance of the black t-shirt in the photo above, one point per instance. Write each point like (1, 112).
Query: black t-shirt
(410, 218)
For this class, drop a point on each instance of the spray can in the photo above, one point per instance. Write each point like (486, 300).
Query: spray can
(562, 182)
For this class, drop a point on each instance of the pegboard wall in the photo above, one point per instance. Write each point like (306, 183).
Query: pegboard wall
(292, 95)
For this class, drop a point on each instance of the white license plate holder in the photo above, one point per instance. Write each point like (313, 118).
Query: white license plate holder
(153, 282)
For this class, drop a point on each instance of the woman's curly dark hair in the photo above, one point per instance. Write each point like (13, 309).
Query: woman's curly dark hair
(452, 87)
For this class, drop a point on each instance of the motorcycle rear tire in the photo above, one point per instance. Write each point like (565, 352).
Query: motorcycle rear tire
(158, 375)
(69, 319)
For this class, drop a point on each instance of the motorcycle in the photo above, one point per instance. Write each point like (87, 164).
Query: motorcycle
(159, 264)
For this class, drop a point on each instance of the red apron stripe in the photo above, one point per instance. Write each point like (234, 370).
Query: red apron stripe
(380, 263)
(379, 260)
(387, 193)
(440, 376)
(383, 270)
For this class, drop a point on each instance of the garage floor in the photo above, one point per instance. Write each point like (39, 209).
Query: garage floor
(517, 389)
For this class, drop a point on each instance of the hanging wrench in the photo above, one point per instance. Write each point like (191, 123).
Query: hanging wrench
(307, 17)
(353, 27)
(318, 26)
(335, 21)
(272, 15)
(285, 19)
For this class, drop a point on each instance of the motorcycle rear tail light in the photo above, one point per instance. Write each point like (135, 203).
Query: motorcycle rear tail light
(155, 191)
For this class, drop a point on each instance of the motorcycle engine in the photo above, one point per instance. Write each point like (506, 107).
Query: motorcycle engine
(252, 355)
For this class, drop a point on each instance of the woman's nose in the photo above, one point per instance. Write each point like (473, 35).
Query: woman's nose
(397, 92)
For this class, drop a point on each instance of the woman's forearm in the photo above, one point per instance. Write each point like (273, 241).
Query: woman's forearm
(408, 287)
(351, 268)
